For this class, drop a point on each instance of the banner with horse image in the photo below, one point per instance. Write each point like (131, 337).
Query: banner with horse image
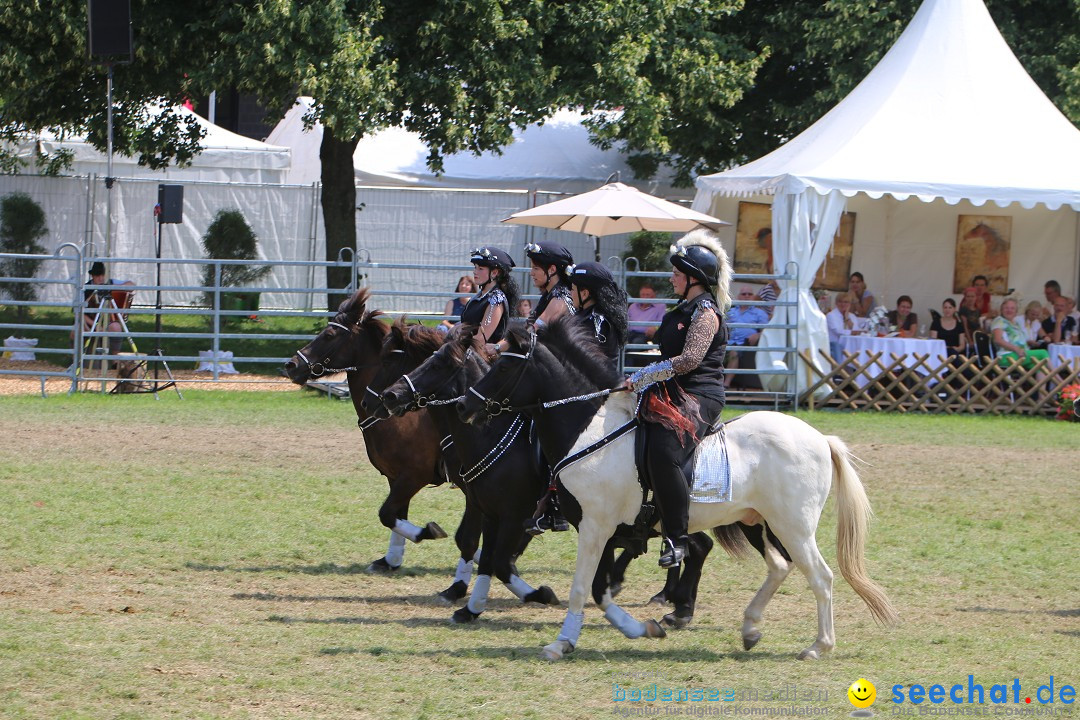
(753, 247)
(982, 248)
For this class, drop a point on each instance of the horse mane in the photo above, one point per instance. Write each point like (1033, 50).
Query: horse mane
(461, 338)
(576, 346)
(353, 310)
(420, 341)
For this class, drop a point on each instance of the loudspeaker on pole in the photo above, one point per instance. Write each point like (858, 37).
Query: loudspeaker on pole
(171, 203)
(110, 30)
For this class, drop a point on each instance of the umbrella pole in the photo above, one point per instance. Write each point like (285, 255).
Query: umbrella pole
(596, 247)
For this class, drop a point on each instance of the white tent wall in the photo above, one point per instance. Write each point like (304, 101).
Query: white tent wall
(909, 247)
(225, 157)
(441, 227)
(429, 227)
(395, 225)
(286, 220)
(556, 156)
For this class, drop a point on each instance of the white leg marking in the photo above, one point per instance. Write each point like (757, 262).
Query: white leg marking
(395, 552)
(464, 570)
(407, 529)
(518, 586)
(478, 600)
(626, 623)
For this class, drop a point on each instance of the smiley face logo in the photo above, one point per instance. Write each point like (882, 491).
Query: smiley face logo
(862, 693)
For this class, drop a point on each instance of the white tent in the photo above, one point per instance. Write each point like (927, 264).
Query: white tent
(556, 156)
(948, 116)
(225, 157)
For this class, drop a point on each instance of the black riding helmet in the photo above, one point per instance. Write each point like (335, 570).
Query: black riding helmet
(491, 257)
(547, 253)
(590, 275)
(697, 262)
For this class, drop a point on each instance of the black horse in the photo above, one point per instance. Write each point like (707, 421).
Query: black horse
(454, 368)
(498, 469)
(405, 450)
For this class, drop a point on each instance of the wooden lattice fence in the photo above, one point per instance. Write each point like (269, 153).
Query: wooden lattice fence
(916, 383)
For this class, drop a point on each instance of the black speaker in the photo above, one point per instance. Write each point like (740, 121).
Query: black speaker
(170, 200)
(110, 28)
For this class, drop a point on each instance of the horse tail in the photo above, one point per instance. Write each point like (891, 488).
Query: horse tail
(732, 539)
(853, 518)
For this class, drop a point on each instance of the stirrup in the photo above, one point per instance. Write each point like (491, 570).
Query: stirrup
(549, 521)
(672, 556)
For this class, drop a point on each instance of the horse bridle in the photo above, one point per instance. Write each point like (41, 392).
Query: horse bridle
(419, 402)
(318, 369)
(496, 407)
(374, 393)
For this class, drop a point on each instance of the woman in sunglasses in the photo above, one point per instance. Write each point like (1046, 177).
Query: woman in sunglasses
(496, 297)
(683, 394)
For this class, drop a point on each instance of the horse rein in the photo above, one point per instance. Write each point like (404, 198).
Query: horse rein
(494, 408)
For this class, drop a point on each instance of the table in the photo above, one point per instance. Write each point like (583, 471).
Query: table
(904, 350)
(1063, 355)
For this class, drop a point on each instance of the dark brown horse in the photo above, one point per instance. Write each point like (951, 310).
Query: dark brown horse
(496, 463)
(405, 449)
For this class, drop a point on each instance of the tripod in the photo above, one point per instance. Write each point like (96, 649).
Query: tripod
(127, 370)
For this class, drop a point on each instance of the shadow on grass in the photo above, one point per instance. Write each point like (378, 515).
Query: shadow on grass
(322, 569)
(426, 622)
(532, 654)
(432, 600)
(1010, 611)
(647, 651)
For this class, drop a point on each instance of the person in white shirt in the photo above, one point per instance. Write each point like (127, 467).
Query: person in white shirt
(841, 321)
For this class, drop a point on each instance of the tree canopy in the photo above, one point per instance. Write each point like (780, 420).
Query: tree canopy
(702, 84)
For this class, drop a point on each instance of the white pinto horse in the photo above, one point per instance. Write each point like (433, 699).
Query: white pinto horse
(781, 473)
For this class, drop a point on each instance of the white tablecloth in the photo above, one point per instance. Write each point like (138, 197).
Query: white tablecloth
(905, 349)
(1063, 355)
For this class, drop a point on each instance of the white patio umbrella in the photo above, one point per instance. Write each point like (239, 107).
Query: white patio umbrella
(612, 209)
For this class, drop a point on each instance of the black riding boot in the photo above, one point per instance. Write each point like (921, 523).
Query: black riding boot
(547, 516)
(674, 551)
(672, 497)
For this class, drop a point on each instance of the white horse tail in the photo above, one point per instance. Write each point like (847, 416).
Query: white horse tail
(853, 518)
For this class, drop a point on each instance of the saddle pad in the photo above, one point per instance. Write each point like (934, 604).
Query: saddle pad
(712, 470)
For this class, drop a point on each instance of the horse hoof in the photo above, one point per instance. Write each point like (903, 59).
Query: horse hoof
(463, 616)
(556, 650)
(453, 593)
(542, 595)
(659, 599)
(809, 654)
(676, 622)
(614, 590)
(751, 640)
(431, 531)
(381, 567)
(654, 630)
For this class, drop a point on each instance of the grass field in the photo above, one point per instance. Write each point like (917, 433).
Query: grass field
(204, 559)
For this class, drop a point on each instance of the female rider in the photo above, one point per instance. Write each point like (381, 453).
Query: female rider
(601, 305)
(684, 392)
(496, 296)
(549, 263)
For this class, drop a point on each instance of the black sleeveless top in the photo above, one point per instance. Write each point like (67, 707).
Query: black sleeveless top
(477, 308)
(707, 379)
(600, 328)
(560, 291)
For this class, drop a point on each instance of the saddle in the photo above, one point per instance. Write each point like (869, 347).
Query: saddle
(688, 465)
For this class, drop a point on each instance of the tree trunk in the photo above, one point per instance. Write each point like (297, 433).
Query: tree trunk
(339, 208)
